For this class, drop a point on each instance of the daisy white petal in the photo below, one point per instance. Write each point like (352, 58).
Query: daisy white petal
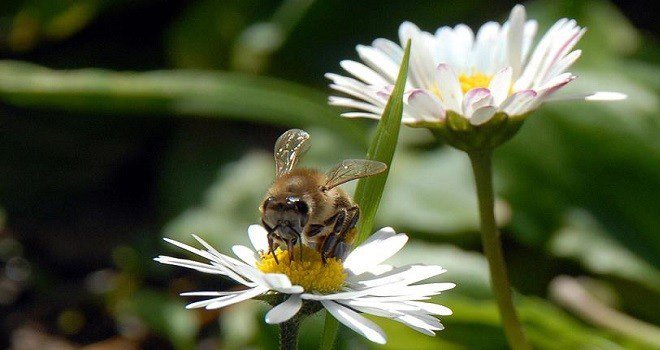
(421, 66)
(427, 321)
(209, 294)
(356, 322)
(195, 265)
(363, 72)
(484, 49)
(482, 115)
(246, 254)
(376, 311)
(419, 324)
(257, 235)
(565, 62)
(281, 283)
(433, 309)
(249, 294)
(413, 323)
(406, 274)
(590, 96)
(530, 32)
(449, 87)
(427, 106)
(416, 290)
(219, 256)
(389, 48)
(378, 248)
(336, 296)
(207, 302)
(379, 62)
(516, 103)
(515, 36)
(361, 115)
(463, 46)
(395, 307)
(347, 102)
(475, 99)
(539, 54)
(284, 311)
(500, 85)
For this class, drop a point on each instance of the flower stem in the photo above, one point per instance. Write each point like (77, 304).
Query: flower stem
(329, 332)
(481, 166)
(289, 334)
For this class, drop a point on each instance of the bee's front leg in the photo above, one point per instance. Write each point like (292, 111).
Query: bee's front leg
(271, 245)
(271, 240)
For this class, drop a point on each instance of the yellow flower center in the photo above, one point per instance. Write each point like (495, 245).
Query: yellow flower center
(476, 80)
(468, 82)
(310, 272)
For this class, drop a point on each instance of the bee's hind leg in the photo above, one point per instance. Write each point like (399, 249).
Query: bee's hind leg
(327, 246)
(335, 245)
(348, 225)
(341, 250)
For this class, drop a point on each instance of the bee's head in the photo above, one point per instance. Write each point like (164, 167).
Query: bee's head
(286, 215)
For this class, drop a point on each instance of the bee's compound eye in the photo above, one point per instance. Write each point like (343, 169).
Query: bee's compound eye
(302, 207)
(268, 201)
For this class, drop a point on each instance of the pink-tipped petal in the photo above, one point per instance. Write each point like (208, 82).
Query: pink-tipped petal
(475, 99)
(426, 106)
(449, 86)
(517, 102)
(501, 84)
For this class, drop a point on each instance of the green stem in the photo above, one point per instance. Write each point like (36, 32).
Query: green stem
(481, 166)
(329, 332)
(289, 334)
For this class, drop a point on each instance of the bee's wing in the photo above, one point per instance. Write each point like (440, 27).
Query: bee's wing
(289, 147)
(351, 169)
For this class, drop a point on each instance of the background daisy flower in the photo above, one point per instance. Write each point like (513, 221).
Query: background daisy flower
(474, 76)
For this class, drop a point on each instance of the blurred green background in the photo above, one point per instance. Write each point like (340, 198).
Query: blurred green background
(125, 121)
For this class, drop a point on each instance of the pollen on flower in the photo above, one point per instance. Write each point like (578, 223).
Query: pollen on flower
(476, 80)
(310, 272)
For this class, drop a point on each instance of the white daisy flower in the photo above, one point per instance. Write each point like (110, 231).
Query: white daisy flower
(361, 283)
(473, 76)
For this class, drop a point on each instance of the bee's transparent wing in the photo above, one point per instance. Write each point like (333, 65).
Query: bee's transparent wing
(351, 169)
(289, 147)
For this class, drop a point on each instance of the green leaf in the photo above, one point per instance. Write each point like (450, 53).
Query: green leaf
(370, 190)
(176, 92)
(584, 240)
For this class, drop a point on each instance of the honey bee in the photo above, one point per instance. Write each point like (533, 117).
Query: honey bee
(305, 206)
